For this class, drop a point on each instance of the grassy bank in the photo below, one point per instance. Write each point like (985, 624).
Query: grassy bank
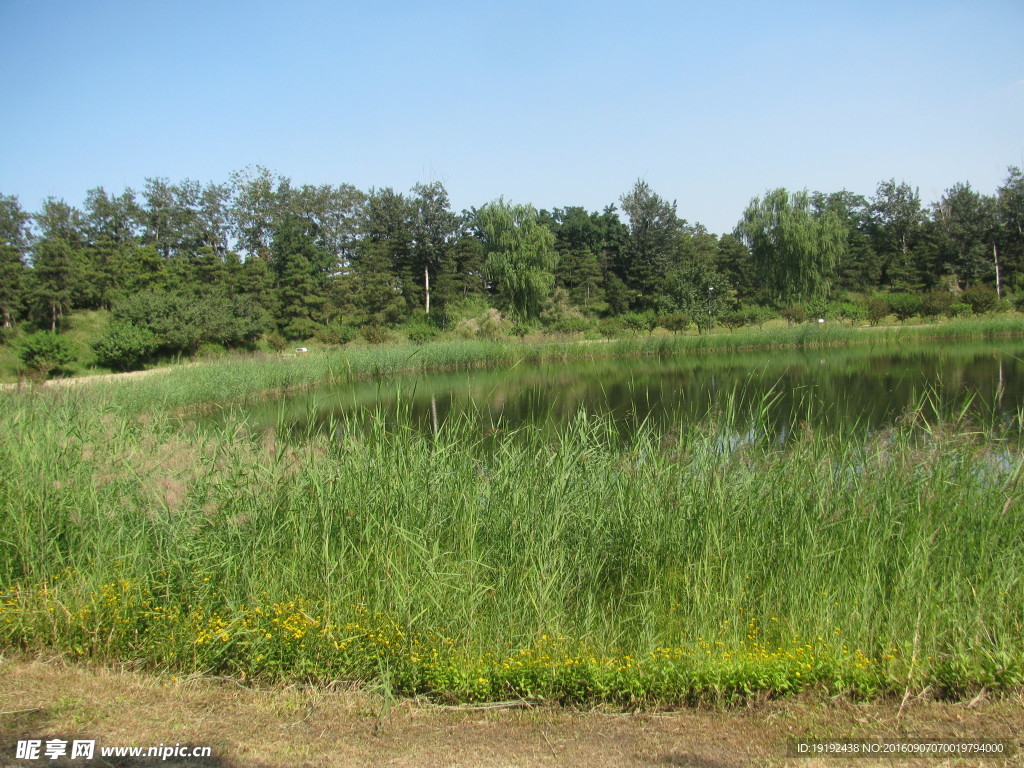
(81, 329)
(236, 379)
(466, 566)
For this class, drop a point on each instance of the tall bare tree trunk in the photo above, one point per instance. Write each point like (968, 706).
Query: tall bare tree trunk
(426, 288)
(995, 258)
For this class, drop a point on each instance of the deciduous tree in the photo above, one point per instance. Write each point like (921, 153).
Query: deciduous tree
(794, 252)
(435, 229)
(520, 252)
(895, 219)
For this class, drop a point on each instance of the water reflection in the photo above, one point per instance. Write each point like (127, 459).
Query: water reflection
(867, 388)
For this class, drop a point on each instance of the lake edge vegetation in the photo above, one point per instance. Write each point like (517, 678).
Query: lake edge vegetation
(670, 569)
(223, 380)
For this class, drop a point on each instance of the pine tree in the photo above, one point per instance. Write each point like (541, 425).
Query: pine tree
(654, 232)
(293, 254)
(14, 272)
(580, 274)
(14, 276)
(380, 297)
(53, 273)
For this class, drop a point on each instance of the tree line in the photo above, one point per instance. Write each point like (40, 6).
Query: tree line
(258, 255)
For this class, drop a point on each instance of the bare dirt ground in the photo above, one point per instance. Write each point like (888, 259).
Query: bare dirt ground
(305, 727)
(75, 380)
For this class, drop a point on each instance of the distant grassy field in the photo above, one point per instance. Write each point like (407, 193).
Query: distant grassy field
(471, 566)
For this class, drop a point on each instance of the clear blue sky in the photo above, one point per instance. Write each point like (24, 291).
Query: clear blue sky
(554, 103)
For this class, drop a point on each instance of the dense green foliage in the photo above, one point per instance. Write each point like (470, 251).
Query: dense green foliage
(795, 252)
(520, 255)
(226, 265)
(44, 352)
(125, 346)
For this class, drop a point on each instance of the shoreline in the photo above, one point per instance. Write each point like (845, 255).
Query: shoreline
(367, 362)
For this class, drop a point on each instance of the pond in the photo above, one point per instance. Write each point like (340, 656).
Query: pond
(868, 387)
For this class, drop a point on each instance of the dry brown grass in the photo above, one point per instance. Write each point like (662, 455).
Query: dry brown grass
(295, 726)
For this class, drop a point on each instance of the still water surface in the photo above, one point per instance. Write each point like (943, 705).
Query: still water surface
(861, 387)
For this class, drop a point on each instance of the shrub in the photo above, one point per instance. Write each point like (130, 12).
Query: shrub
(982, 298)
(1018, 302)
(734, 318)
(675, 322)
(467, 328)
(176, 322)
(336, 333)
(759, 315)
(275, 341)
(935, 303)
(124, 347)
(904, 305)
(182, 324)
(639, 321)
(561, 315)
(449, 315)
(959, 309)
(525, 327)
(421, 333)
(489, 325)
(794, 314)
(610, 327)
(877, 309)
(816, 308)
(376, 334)
(44, 352)
(210, 349)
(847, 310)
(572, 324)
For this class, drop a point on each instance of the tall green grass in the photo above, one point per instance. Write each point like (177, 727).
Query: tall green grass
(707, 561)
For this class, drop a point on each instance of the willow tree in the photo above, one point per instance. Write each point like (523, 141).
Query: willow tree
(794, 251)
(521, 255)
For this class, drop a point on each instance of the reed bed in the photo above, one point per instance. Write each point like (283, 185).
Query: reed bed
(706, 562)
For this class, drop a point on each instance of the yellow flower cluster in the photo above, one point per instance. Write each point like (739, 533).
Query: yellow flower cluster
(280, 639)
